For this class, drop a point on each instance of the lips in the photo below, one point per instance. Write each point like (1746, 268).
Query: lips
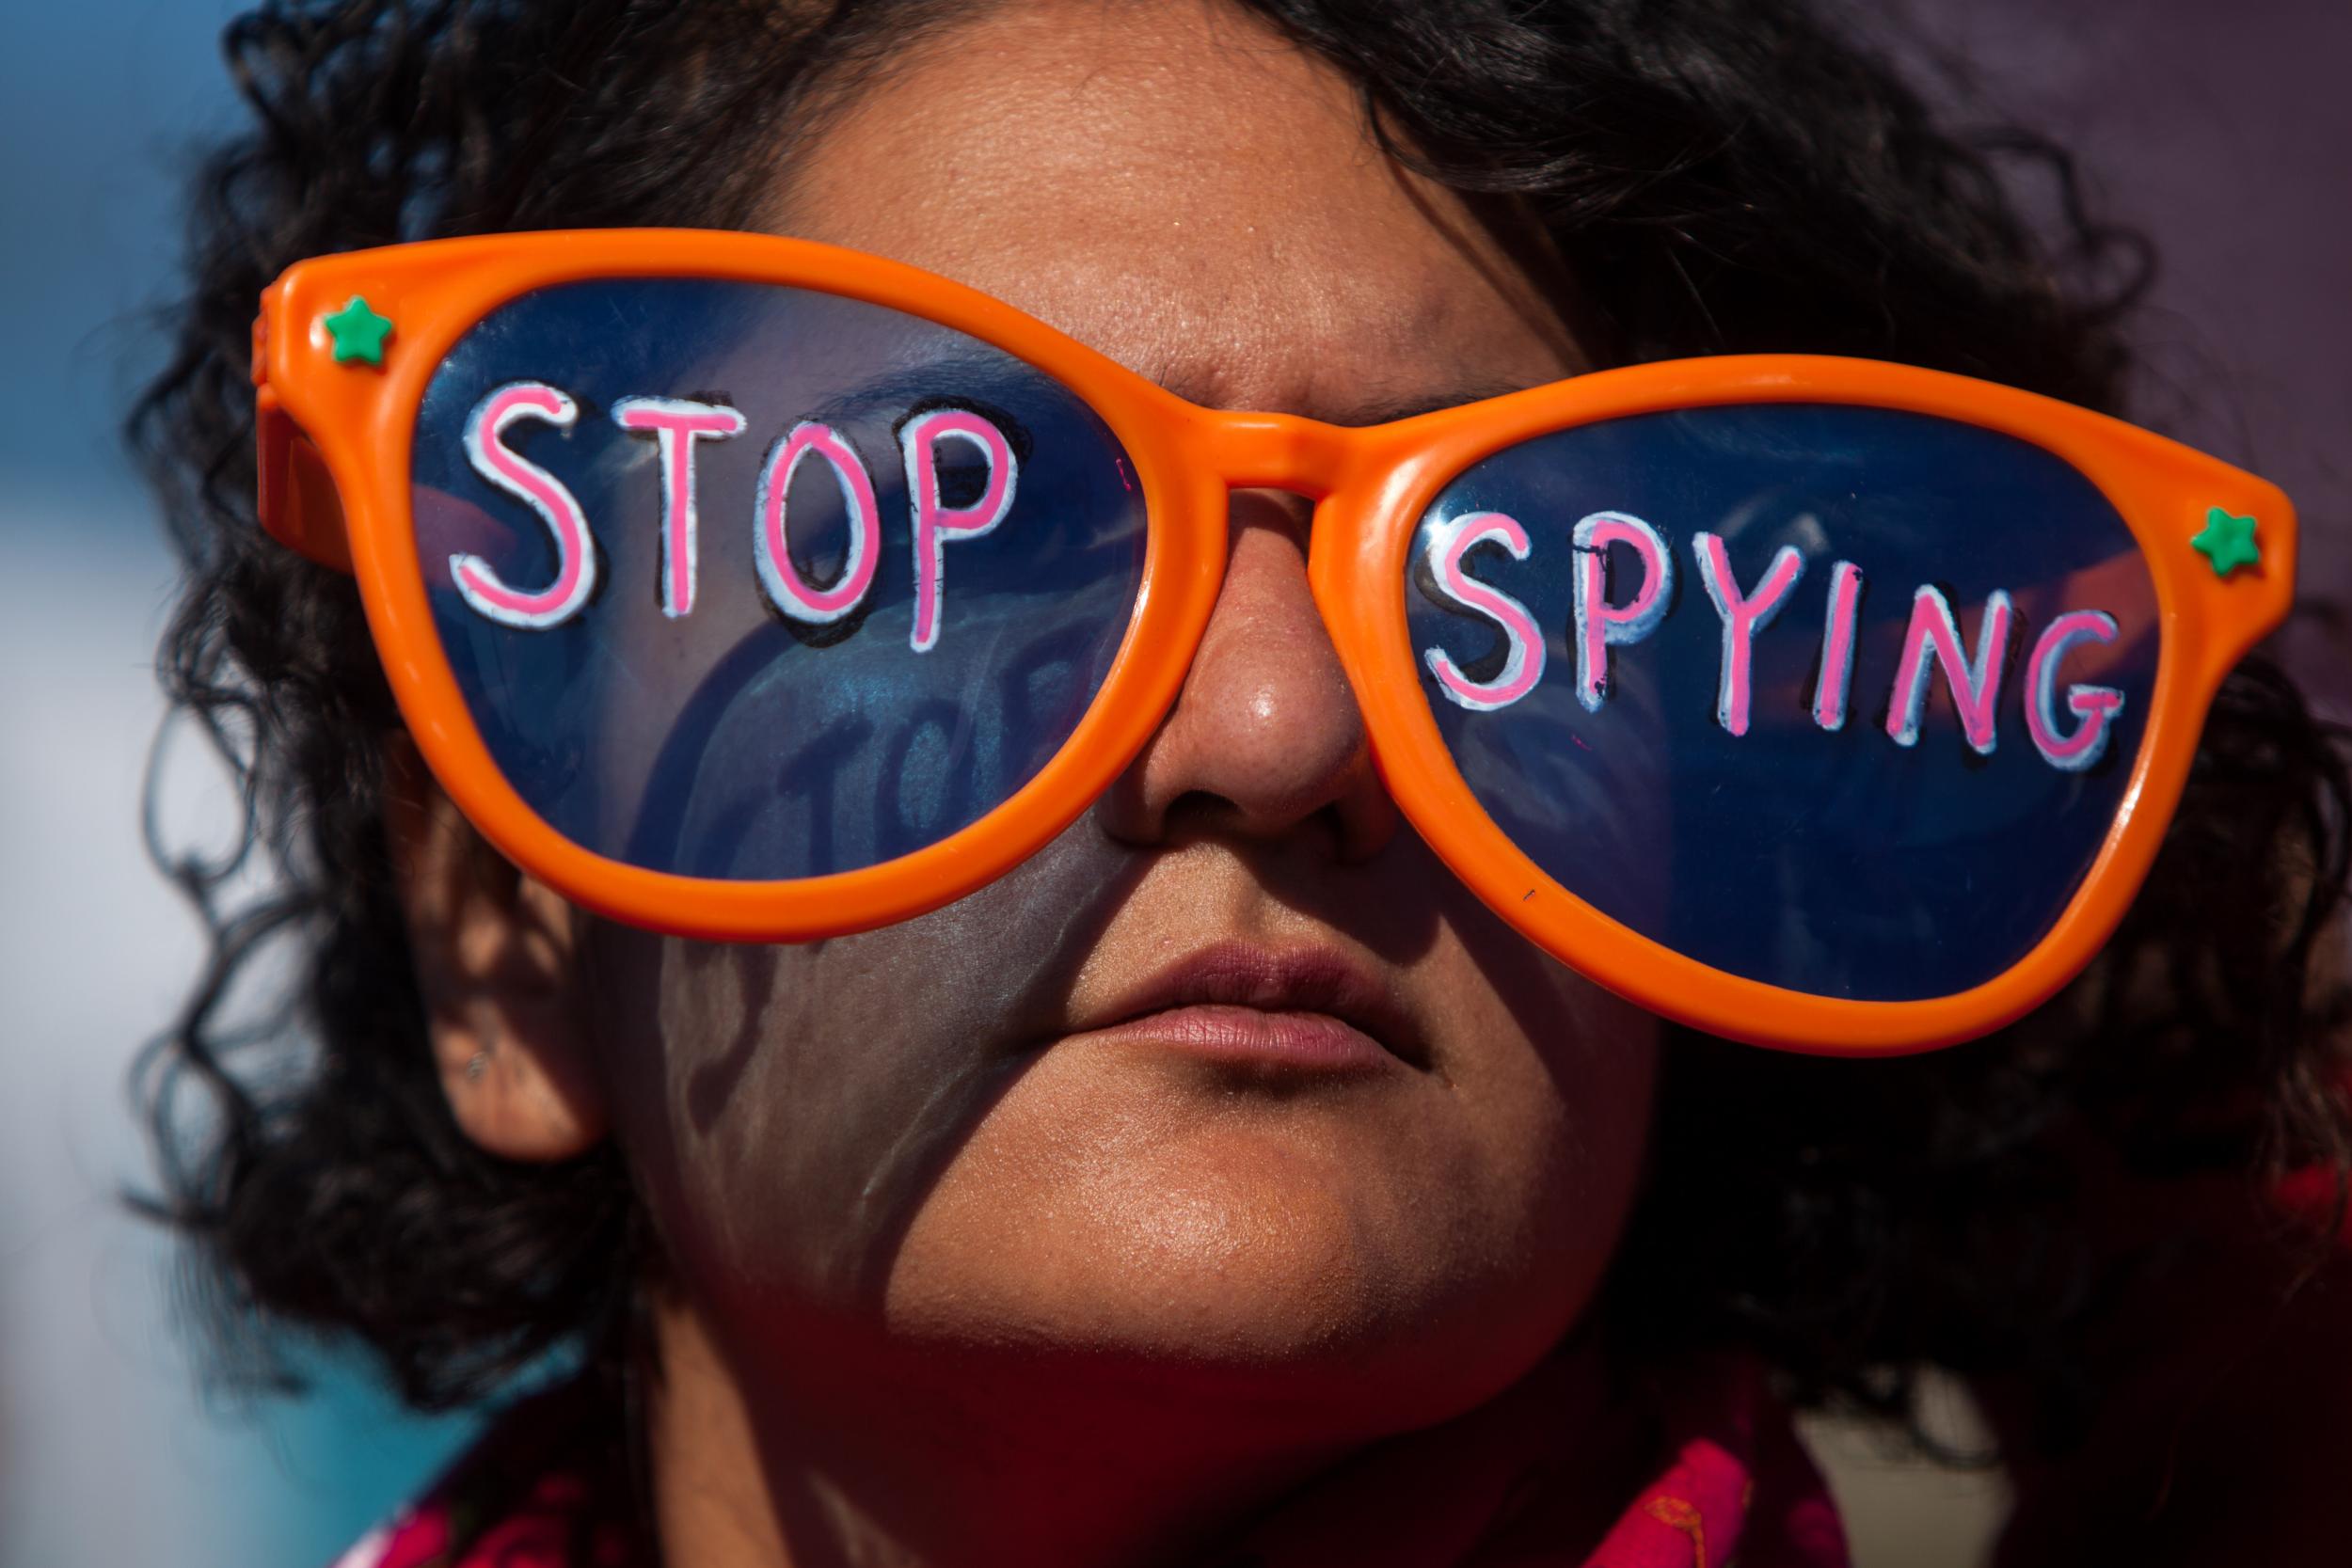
(1306, 1009)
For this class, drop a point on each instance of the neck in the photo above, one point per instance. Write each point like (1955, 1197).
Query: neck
(985, 1464)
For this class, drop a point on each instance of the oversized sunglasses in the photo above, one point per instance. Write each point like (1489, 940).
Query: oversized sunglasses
(756, 590)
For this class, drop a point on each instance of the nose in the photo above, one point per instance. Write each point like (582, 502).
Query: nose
(1266, 741)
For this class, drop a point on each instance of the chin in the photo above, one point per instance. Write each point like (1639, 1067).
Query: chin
(1315, 1256)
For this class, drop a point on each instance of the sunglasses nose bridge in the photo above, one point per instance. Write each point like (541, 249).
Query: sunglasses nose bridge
(1272, 452)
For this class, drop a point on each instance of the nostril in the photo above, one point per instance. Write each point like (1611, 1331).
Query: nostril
(1327, 827)
(1201, 813)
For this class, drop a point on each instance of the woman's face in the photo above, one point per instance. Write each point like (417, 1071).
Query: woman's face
(1232, 1084)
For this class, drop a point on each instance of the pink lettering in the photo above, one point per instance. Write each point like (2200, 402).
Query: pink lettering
(677, 424)
(1600, 624)
(1974, 683)
(1742, 617)
(1829, 691)
(1523, 663)
(787, 589)
(477, 582)
(2093, 706)
(934, 524)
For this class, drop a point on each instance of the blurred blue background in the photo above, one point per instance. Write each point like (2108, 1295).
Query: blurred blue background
(2222, 130)
(110, 1450)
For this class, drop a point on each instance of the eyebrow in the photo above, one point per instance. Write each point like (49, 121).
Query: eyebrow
(1382, 408)
(1388, 411)
(1376, 409)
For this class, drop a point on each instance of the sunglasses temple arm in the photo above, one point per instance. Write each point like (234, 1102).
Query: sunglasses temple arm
(297, 498)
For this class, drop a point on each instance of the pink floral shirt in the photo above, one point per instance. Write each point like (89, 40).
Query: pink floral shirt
(1737, 1492)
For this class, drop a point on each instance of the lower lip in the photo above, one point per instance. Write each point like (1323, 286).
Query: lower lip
(1253, 1037)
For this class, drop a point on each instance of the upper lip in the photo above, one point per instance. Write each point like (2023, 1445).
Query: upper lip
(1305, 979)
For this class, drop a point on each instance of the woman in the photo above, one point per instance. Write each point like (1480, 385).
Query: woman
(1223, 1176)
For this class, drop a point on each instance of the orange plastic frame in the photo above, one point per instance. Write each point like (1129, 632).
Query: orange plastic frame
(335, 438)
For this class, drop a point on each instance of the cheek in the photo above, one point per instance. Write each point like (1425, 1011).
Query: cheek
(1568, 1108)
(1552, 1084)
(1566, 1084)
(786, 1110)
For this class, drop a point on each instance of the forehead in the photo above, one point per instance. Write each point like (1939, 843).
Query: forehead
(1179, 187)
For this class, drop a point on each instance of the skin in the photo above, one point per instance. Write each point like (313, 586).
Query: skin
(950, 1275)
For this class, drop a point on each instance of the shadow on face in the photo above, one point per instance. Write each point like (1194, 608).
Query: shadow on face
(925, 1144)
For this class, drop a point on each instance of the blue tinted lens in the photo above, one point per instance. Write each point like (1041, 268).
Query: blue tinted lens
(1844, 699)
(754, 583)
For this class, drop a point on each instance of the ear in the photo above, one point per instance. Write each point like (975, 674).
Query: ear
(494, 952)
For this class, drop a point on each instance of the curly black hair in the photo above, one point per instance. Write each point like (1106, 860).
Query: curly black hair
(1716, 175)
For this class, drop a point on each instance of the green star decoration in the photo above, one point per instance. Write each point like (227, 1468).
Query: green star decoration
(2227, 542)
(359, 333)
